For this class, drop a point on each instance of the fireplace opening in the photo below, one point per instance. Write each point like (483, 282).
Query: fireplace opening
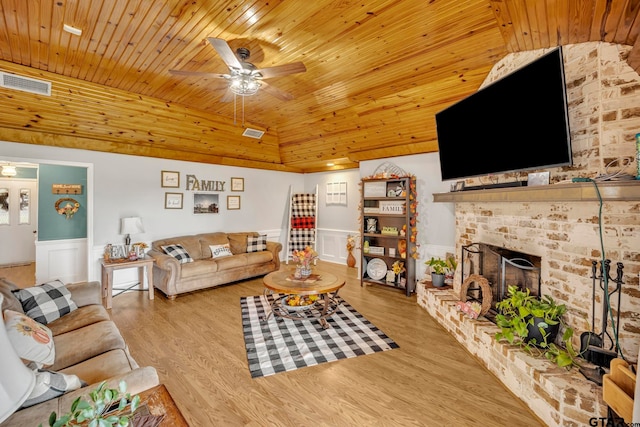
(502, 268)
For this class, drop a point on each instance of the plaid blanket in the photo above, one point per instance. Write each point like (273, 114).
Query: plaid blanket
(301, 238)
(303, 222)
(280, 345)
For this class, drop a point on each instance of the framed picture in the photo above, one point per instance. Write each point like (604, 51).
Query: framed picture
(173, 200)
(233, 202)
(170, 179)
(205, 203)
(237, 184)
(459, 186)
(337, 193)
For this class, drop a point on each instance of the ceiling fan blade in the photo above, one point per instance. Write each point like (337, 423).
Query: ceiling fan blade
(225, 52)
(282, 70)
(197, 73)
(274, 91)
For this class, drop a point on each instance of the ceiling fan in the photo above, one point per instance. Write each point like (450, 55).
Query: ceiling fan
(244, 78)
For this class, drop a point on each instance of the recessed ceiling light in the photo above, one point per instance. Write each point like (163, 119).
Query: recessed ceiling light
(331, 164)
(72, 30)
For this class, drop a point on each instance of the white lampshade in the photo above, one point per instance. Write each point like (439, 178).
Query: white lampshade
(131, 225)
(16, 380)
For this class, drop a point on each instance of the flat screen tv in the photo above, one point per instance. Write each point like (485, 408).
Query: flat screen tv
(519, 122)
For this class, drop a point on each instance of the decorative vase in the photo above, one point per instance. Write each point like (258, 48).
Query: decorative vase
(351, 260)
(305, 271)
(302, 271)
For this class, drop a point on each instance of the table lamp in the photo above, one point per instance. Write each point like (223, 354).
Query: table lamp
(128, 226)
(16, 380)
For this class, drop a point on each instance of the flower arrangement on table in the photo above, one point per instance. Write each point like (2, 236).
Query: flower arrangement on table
(305, 256)
(303, 259)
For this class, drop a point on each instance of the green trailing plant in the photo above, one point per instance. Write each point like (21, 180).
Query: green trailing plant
(521, 312)
(107, 408)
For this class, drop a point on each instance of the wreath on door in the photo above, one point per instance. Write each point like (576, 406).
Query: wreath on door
(67, 209)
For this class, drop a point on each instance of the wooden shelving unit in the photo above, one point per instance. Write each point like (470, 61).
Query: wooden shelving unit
(386, 207)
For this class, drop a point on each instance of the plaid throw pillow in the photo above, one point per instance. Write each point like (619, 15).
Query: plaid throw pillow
(51, 384)
(47, 302)
(178, 252)
(257, 244)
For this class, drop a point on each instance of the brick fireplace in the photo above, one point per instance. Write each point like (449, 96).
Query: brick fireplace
(560, 224)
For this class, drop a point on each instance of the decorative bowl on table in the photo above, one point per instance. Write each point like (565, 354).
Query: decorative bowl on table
(299, 302)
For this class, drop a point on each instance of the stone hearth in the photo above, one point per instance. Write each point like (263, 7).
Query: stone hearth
(557, 396)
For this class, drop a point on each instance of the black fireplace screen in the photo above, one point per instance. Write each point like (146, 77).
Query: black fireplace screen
(502, 268)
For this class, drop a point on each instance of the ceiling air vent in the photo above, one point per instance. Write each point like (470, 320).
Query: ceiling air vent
(25, 84)
(253, 133)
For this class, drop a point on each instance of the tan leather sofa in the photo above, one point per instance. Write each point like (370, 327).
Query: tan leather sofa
(87, 344)
(174, 278)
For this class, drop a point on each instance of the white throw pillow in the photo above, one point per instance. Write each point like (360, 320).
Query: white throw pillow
(32, 341)
(219, 251)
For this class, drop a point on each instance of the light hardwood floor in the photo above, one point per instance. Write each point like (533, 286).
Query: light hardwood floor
(23, 275)
(196, 344)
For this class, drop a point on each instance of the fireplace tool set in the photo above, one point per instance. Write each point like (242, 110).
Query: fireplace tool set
(593, 346)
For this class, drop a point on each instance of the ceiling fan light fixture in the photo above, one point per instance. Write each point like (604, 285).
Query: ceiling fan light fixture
(244, 85)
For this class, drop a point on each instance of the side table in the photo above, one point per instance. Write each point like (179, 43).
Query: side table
(160, 403)
(108, 267)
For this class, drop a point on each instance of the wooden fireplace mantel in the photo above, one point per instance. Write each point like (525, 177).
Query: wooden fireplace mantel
(569, 192)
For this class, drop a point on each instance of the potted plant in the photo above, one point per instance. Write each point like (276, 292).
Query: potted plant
(533, 323)
(108, 407)
(439, 268)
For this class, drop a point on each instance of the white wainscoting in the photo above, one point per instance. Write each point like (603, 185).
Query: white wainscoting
(332, 245)
(61, 259)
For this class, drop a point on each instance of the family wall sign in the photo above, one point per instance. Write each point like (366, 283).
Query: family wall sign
(194, 184)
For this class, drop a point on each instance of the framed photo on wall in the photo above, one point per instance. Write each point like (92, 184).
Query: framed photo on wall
(205, 203)
(237, 184)
(173, 200)
(233, 202)
(170, 179)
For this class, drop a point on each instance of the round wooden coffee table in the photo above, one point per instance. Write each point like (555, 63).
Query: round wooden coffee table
(324, 285)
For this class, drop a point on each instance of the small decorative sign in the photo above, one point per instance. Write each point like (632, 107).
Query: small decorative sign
(375, 189)
(392, 207)
(390, 231)
(66, 188)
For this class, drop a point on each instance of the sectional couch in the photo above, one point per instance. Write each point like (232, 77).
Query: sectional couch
(189, 263)
(87, 344)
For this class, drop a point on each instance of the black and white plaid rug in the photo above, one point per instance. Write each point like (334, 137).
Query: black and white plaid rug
(280, 345)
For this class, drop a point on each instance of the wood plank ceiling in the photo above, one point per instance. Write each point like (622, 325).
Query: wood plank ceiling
(377, 72)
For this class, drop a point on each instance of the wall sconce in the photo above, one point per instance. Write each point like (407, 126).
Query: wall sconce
(9, 170)
(128, 226)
